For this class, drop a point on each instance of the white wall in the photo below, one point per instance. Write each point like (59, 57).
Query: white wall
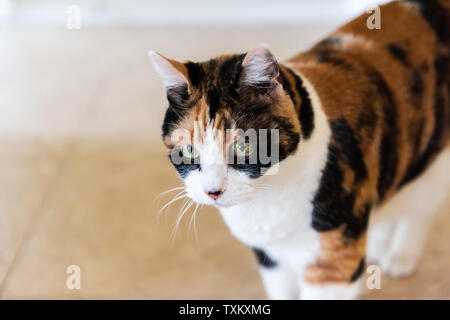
(141, 12)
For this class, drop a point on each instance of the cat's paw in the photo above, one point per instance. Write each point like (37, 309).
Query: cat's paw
(330, 291)
(398, 265)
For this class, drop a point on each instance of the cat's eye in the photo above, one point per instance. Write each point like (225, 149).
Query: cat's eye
(189, 151)
(242, 149)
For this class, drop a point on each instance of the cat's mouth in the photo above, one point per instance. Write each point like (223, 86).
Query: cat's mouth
(224, 204)
(226, 201)
(220, 202)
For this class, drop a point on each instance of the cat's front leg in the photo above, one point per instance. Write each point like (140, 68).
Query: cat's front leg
(279, 283)
(344, 291)
(338, 268)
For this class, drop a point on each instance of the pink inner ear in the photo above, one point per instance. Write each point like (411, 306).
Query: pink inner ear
(260, 66)
(257, 52)
(171, 77)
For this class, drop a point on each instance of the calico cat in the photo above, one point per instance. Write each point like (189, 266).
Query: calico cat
(362, 122)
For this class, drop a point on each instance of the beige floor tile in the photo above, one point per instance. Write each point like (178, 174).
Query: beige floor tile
(27, 171)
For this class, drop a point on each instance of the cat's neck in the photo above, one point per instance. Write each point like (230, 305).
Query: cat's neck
(315, 130)
(295, 85)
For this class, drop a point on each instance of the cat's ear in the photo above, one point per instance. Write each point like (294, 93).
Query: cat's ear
(260, 68)
(174, 76)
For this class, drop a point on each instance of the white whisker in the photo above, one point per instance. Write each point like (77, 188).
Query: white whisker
(193, 219)
(179, 196)
(159, 196)
(183, 211)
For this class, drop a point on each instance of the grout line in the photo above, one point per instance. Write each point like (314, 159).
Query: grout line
(40, 208)
(46, 198)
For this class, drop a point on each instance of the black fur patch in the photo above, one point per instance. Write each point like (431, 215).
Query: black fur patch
(177, 98)
(399, 54)
(184, 169)
(330, 56)
(418, 86)
(325, 216)
(331, 41)
(263, 259)
(213, 100)
(368, 118)
(415, 133)
(221, 91)
(420, 163)
(346, 138)
(333, 206)
(170, 120)
(231, 72)
(287, 87)
(436, 17)
(306, 113)
(389, 141)
(195, 72)
(359, 271)
(186, 166)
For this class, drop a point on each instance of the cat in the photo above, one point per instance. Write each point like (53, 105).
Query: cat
(362, 122)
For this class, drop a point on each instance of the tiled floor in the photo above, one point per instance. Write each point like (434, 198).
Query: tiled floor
(81, 164)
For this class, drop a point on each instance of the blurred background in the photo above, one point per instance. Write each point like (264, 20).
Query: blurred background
(82, 163)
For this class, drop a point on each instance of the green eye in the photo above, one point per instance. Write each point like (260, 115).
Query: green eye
(189, 151)
(242, 149)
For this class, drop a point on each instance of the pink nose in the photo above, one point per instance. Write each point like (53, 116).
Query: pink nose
(214, 194)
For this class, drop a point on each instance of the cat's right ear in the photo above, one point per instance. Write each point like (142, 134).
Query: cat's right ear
(174, 76)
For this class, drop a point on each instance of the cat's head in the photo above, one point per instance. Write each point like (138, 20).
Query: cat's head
(229, 121)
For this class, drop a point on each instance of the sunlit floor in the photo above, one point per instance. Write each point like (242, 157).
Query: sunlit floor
(81, 164)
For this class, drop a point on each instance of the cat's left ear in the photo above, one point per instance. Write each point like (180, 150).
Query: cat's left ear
(174, 76)
(260, 69)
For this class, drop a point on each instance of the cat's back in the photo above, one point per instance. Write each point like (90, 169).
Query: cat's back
(387, 90)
